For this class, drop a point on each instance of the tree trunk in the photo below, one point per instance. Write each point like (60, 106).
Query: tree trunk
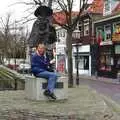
(69, 56)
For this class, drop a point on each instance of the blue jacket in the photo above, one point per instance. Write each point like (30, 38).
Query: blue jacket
(39, 63)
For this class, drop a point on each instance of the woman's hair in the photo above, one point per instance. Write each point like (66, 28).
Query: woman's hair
(41, 45)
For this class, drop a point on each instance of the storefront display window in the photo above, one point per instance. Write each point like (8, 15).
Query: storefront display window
(106, 60)
(83, 62)
(117, 56)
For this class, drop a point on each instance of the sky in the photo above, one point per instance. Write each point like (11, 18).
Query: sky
(17, 11)
(7, 7)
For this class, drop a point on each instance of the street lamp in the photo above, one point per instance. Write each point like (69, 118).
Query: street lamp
(76, 37)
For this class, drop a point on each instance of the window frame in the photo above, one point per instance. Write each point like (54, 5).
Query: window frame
(105, 33)
(87, 24)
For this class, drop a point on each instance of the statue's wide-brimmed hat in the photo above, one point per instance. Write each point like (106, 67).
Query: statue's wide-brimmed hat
(43, 11)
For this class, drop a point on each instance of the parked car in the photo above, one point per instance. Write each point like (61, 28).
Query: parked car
(24, 67)
(13, 66)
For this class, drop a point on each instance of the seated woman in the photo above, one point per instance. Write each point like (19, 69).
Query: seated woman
(39, 66)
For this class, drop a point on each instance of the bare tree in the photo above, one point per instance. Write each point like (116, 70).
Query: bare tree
(11, 35)
(5, 32)
(31, 7)
(67, 7)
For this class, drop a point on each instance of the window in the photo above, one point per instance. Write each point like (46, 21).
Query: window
(63, 35)
(116, 32)
(83, 62)
(86, 27)
(58, 35)
(86, 30)
(77, 27)
(100, 34)
(81, 29)
(107, 31)
(116, 27)
(107, 7)
(117, 49)
(106, 59)
(105, 62)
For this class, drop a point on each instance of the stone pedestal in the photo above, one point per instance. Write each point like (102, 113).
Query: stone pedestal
(34, 88)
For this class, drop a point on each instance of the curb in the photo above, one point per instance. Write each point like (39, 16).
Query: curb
(115, 107)
(106, 80)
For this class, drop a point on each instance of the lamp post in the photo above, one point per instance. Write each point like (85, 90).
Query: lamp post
(77, 65)
(76, 36)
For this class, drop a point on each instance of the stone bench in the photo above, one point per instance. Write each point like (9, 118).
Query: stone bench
(34, 88)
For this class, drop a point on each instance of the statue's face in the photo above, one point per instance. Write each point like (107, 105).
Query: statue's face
(43, 23)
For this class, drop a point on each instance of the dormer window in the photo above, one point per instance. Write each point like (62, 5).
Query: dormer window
(107, 7)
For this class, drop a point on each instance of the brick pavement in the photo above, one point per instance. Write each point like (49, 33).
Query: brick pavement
(82, 104)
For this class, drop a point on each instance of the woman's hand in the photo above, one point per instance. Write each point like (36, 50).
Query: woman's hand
(52, 61)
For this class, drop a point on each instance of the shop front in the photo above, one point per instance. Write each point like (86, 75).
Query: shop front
(109, 60)
(84, 60)
(107, 32)
(117, 57)
(116, 42)
(106, 61)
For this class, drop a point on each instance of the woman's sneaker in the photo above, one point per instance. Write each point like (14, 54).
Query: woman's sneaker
(48, 94)
(52, 95)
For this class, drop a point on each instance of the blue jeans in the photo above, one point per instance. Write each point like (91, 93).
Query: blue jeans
(51, 77)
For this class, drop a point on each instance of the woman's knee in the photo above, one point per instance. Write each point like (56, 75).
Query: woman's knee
(54, 75)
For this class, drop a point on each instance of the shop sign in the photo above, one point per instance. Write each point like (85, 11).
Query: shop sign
(106, 43)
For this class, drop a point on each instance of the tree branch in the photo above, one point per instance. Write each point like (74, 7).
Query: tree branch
(82, 8)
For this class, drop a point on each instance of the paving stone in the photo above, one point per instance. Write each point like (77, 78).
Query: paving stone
(82, 104)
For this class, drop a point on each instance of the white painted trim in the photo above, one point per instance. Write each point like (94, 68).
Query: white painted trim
(105, 19)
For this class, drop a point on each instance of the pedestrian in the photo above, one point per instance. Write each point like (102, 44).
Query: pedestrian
(40, 68)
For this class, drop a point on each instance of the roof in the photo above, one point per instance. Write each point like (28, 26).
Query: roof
(115, 13)
(96, 6)
(108, 17)
(117, 8)
(60, 17)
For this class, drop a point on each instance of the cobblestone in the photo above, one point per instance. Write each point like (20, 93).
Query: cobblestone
(82, 104)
